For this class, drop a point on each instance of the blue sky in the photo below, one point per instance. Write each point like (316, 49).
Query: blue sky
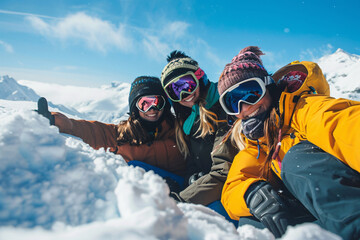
(92, 43)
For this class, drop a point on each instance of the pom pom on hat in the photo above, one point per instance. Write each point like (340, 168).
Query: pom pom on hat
(245, 65)
(178, 63)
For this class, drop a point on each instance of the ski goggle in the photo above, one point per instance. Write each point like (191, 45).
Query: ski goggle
(186, 83)
(250, 91)
(145, 103)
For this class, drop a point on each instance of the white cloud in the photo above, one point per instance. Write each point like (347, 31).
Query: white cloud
(274, 60)
(314, 54)
(25, 14)
(96, 33)
(329, 46)
(158, 43)
(175, 29)
(155, 48)
(8, 47)
(101, 35)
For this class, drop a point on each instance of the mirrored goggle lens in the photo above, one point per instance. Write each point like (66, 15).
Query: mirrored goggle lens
(185, 84)
(249, 92)
(145, 103)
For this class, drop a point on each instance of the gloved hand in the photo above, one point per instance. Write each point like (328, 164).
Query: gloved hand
(44, 111)
(172, 184)
(195, 177)
(267, 206)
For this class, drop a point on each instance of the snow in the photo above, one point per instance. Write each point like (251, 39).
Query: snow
(54, 186)
(107, 104)
(342, 70)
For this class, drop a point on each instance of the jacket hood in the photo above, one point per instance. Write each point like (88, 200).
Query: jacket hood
(315, 77)
(315, 83)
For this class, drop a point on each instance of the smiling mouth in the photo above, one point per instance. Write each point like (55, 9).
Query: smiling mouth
(253, 113)
(188, 100)
(151, 115)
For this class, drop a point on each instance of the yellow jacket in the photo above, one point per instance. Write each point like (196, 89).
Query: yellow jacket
(308, 114)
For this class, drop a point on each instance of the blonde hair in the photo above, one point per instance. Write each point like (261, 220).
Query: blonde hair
(208, 122)
(236, 137)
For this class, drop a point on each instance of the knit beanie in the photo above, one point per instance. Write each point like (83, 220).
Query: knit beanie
(247, 64)
(143, 86)
(176, 67)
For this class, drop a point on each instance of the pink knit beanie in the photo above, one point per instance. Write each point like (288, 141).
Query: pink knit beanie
(245, 65)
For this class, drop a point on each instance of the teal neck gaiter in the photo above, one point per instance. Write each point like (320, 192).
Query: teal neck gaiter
(211, 98)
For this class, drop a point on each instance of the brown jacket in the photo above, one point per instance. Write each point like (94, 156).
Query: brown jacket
(162, 152)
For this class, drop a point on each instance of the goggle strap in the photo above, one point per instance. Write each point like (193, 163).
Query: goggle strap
(268, 80)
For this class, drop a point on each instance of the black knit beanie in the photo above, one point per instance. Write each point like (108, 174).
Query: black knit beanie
(142, 86)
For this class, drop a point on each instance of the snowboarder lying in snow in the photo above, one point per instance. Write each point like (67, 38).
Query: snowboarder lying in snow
(146, 136)
(200, 126)
(299, 142)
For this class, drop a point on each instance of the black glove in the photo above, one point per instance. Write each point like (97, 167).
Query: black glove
(44, 111)
(267, 206)
(195, 177)
(173, 185)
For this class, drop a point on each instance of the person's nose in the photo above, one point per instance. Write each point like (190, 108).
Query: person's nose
(244, 108)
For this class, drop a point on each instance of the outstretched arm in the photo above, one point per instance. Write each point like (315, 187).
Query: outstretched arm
(96, 134)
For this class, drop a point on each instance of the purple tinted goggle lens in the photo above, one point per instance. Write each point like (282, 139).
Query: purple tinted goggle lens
(186, 83)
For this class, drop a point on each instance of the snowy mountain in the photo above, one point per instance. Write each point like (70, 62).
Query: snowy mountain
(16, 94)
(11, 90)
(342, 70)
(107, 104)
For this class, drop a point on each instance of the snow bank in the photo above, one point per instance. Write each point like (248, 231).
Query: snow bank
(56, 187)
(46, 178)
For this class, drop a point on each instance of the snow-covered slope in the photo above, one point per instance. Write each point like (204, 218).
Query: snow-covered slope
(11, 90)
(342, 70)
(107, 104)
(14, 95)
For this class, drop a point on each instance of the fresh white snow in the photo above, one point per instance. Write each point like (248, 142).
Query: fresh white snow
(53, 186)
(342, 70)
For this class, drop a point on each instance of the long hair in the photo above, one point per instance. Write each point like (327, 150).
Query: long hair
(236, 137)
(132, 132)
(208, 121)
(272, 125)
